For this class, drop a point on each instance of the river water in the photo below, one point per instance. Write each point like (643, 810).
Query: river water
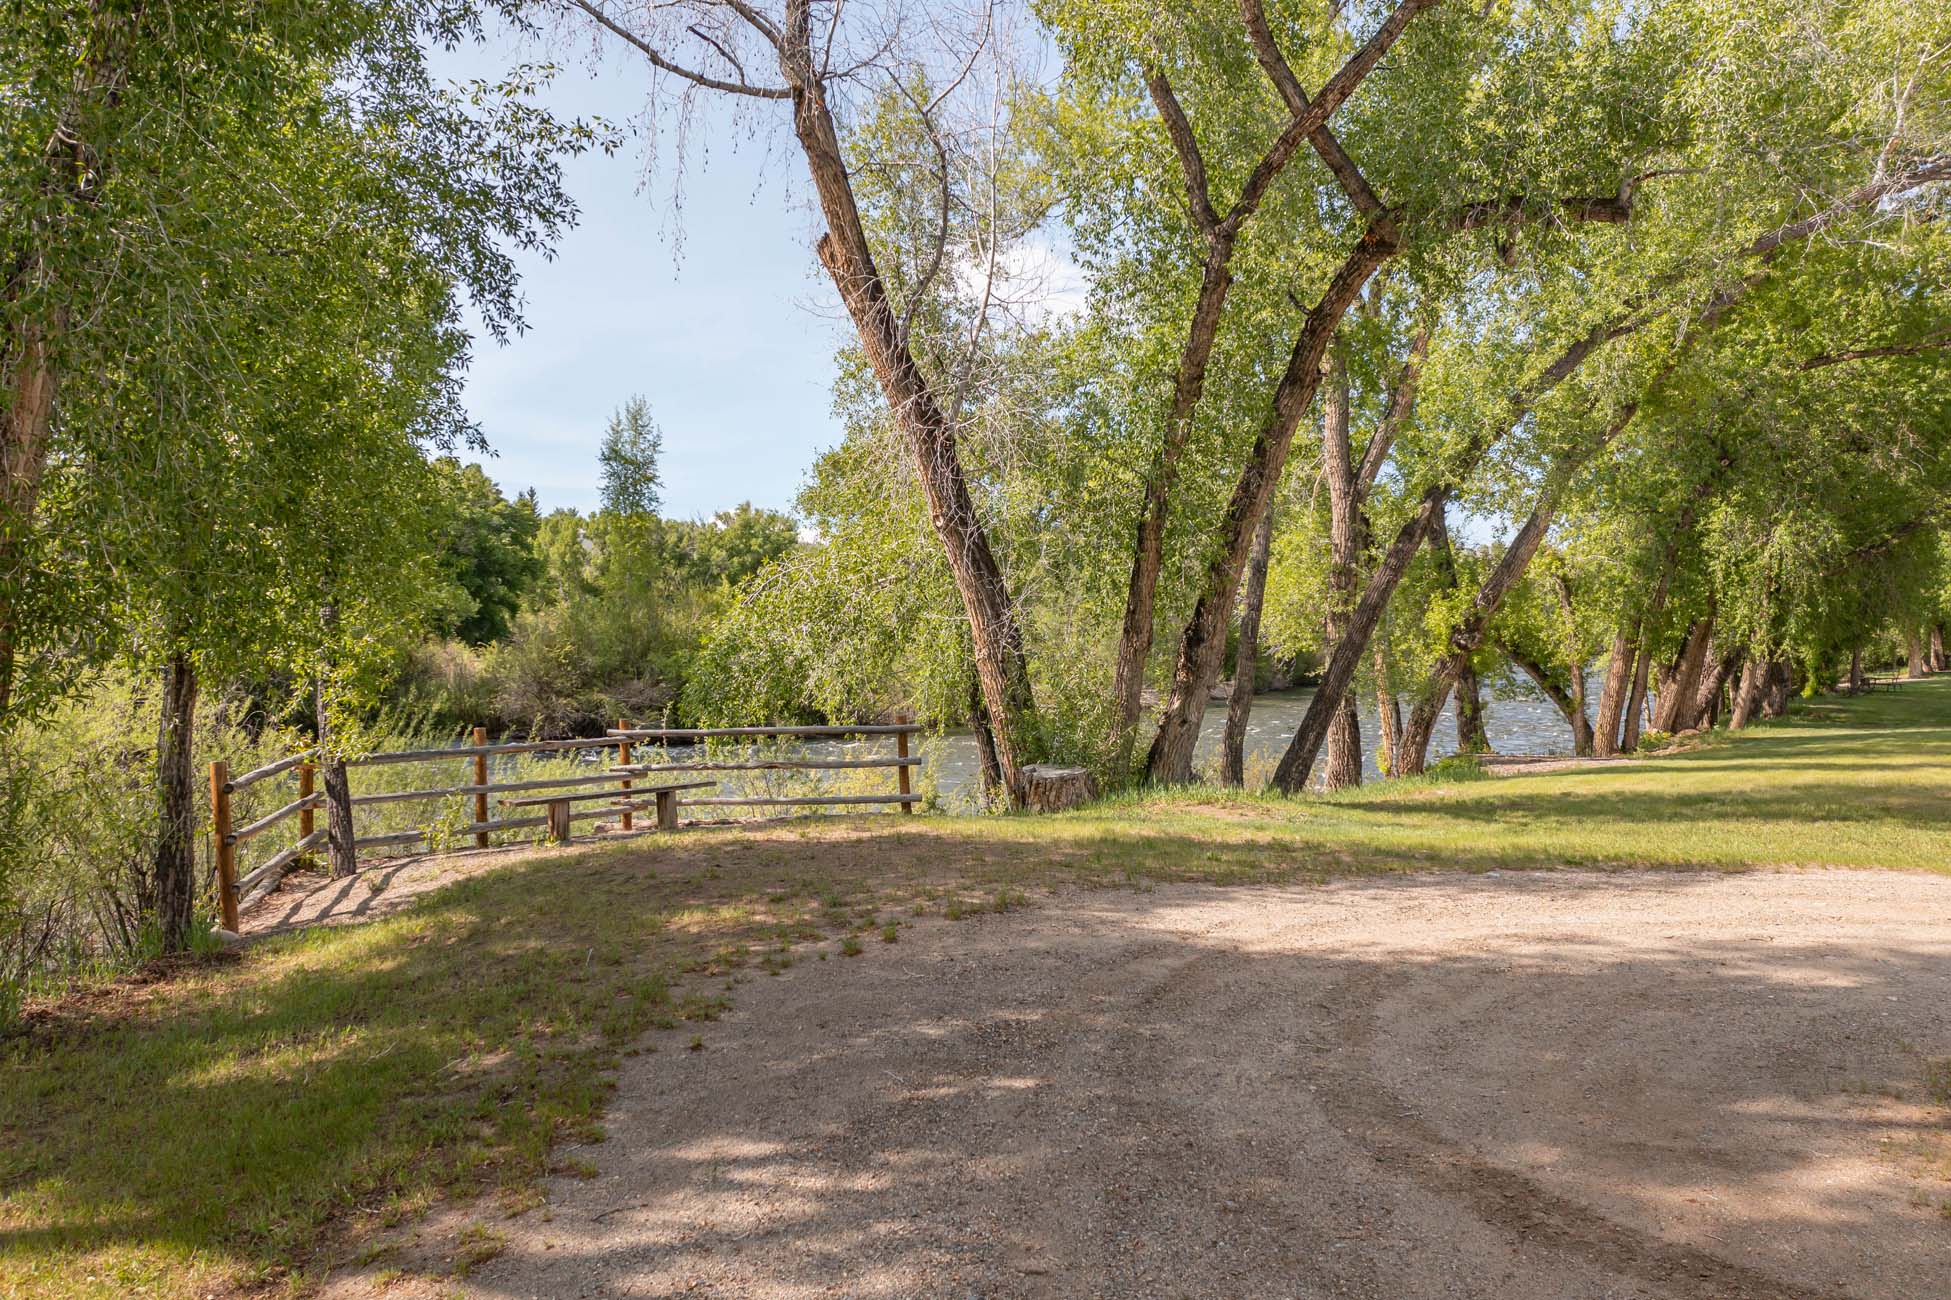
(1527, 723)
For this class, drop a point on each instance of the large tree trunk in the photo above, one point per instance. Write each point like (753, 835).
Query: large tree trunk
(1612, 693)
(1246, 660)
(1713, 686)
(1344, 549)
(174, 873)
(1938, 661)
(985, 738)
(1775, 695)
(25, 421)
(1858, 682)
(1471, 736)
(995, 629)
(1674, 711)
(341, 851)
(1748, 695)
(1914, 652)
(1148, 546)
(1204, 638)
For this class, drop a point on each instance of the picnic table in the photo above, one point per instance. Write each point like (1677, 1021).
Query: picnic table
(558, 804)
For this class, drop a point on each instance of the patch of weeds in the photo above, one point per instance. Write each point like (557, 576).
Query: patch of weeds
(1937, 1080)
(890, 932)
(850, 947)
(697, 1043)
(697, 1006)
(478, 1244)
(575, 1167)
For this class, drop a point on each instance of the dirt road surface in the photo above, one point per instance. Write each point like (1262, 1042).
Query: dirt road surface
(1524, 1086)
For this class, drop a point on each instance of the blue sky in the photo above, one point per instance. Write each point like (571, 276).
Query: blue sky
(714, 310)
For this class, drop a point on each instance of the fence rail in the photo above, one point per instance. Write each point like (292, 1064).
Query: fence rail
(237, 891)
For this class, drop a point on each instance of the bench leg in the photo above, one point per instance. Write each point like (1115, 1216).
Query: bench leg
(667, 810)
(559, 821)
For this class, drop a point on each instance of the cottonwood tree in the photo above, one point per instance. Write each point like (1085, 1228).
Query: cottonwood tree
(815, 61)
(1853, 170)
(244, 447)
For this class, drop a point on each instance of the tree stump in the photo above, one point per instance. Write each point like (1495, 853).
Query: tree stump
(1048, 789)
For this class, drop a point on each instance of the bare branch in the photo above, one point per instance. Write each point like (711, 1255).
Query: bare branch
(658, 60)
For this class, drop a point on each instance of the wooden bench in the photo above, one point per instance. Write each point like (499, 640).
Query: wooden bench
(558, 804)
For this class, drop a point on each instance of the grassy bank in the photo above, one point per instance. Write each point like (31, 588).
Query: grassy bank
(244, 1120)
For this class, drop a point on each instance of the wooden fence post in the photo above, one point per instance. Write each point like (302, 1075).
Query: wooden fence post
(481, 797)
(901, 751)
(623, 760)
(220, 829)
(307, 823)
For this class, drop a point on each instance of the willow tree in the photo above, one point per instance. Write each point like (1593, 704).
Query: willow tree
(1846, 157)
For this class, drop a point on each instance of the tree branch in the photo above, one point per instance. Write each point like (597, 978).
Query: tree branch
(1887, 350)
(1401, 401)
(1186, 145)
(658, 60)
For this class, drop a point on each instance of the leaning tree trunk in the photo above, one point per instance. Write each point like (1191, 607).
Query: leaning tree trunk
(1674, 710)
(1246, 660)
(1000, 662)
(1560, 696)
(1196, 666)
(1413, 756)
(1612, 695)
(174, 872)
(1748, 694)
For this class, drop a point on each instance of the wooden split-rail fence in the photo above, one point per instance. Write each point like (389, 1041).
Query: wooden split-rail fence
(636, 782)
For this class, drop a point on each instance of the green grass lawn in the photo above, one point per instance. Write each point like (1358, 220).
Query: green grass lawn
(242, 1121)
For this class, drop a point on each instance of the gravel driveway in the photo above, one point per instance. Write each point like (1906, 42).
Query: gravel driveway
(1521, 1086)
